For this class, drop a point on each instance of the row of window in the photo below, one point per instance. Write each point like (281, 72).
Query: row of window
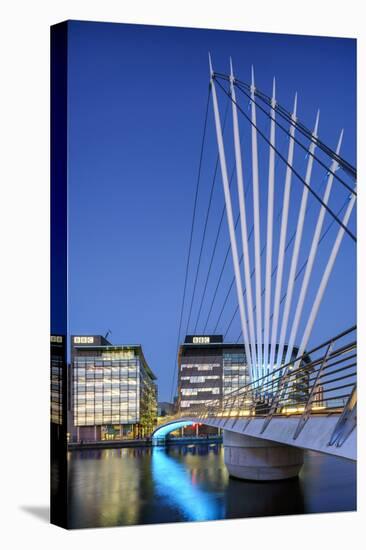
(186, 404)
(235, 369)
(79, 407)
(56, 389)
(56, 370)
(118, 418)
(234, 357)
(119, 354)
(107, 400)
(56, 399)
(107, 397)
(234, 379)
(107, 379)
(190, 391)
(118, 357)
(200, 366)
(104, 406)
(107, 418)
(104, 388)
(98, 386)
(100, 381)
(97, 421)
(106, 371)
(200, 379)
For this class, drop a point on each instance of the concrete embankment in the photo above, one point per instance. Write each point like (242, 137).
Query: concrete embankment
(141, 443)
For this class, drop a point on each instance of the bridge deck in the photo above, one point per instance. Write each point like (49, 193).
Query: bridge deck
(315, 435)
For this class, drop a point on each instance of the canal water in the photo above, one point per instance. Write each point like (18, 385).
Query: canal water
(134, 486)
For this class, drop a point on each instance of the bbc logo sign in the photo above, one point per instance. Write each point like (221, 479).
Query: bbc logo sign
(201, 339)
(83, 340)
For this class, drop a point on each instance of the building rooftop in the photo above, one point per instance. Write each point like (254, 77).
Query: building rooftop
(192, 342)
(106, 345)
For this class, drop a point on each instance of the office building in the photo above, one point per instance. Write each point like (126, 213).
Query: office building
(57, 379)
(114, 394)
(210, 369)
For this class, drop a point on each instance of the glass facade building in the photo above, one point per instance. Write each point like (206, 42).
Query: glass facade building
(114, 390)
(57, 378)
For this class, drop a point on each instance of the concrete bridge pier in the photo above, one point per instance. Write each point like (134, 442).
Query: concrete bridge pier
(260, 460)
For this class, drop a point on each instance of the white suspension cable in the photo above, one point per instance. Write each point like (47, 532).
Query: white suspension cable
(312, 254)
(296, 249)
(230, 219)
(281, 249)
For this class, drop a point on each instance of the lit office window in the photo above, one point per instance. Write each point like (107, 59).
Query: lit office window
(235, 372)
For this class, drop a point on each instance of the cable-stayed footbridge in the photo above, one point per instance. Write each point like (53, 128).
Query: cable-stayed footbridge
(295, 213)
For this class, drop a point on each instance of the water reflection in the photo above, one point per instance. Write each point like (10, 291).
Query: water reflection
(190, 483)
(180, 487)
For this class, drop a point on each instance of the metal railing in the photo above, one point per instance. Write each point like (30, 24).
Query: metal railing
(321, 381)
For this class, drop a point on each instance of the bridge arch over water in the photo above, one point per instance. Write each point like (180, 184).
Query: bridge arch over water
(162, 431)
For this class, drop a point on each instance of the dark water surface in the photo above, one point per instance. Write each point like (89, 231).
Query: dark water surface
(190, 483)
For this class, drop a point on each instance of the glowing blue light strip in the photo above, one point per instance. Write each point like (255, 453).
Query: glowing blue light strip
(172, 481)
(167, 428)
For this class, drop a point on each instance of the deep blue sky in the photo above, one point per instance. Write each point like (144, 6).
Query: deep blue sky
(137, 98)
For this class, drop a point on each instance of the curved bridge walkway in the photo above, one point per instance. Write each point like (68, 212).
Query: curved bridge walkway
(307, 404)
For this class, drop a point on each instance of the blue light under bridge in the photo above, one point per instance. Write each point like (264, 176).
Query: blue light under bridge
(166, 429)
